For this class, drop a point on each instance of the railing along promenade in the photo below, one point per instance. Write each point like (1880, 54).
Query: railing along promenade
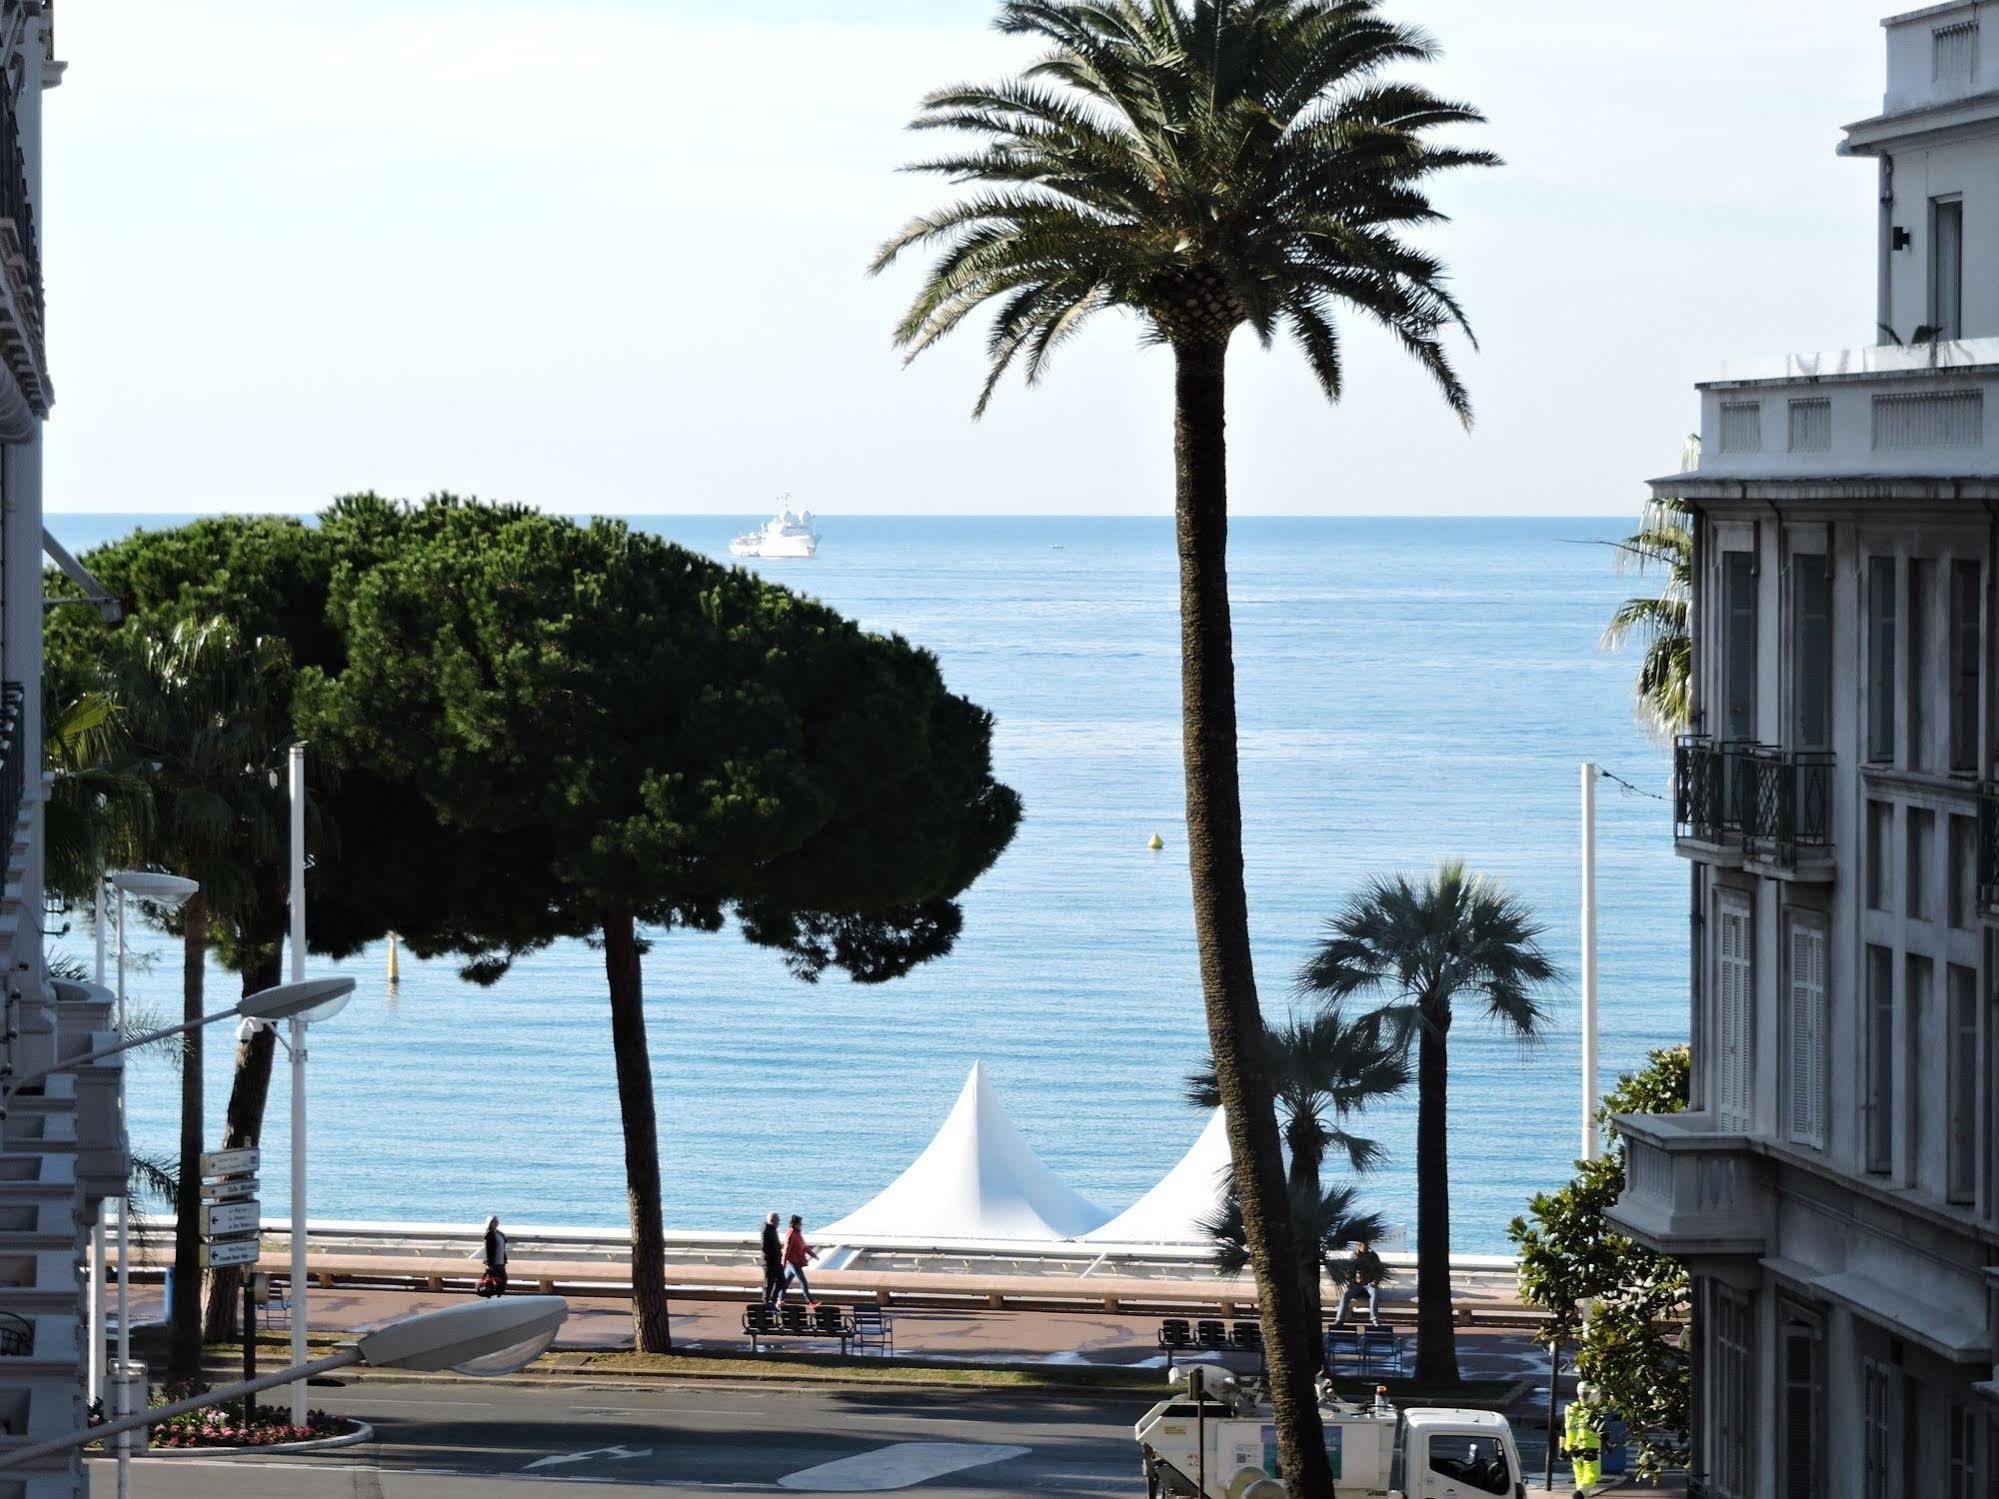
(996, 1274)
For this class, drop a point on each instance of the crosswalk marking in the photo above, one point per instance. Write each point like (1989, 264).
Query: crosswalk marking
(900, 1466)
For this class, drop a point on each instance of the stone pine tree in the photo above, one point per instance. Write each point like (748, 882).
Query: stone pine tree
(667, 743)
(1203, 166)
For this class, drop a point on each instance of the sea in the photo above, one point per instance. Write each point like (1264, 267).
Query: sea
(1410, 690)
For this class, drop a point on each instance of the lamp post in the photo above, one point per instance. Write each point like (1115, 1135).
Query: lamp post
(297, 1050)
(480, 1338)
(171, 891)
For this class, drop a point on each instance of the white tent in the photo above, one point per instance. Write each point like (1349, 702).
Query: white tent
(978, 1178)
(1172, 1211)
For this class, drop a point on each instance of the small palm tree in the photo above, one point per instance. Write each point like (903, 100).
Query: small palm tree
(1327, 1222)
(1663, 692)
(1324, 1070)
(1203, 166)
(204, 715)
(1416, 948)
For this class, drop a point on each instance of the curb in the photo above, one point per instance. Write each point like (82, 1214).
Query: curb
(362, 1432)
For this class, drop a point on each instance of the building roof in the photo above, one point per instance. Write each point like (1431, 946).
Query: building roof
(978, 1178)
(1172, 1212)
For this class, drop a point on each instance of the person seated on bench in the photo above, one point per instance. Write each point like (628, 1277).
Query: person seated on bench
(1365, 1274)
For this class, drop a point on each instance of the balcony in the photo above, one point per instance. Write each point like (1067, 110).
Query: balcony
(1772, 805)
(1689, 1189)
(22, 348)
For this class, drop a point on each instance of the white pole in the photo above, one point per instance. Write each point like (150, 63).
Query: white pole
(119, 1381)
(98, 1258)
(1592, 1147)
(298, 1271)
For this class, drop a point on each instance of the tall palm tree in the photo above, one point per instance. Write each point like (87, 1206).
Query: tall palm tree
(1204, 166)
(1415, 948)
(204, 712)
(1664, 542)
(1324, 1069)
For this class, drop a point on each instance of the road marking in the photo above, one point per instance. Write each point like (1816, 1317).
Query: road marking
(612, 1454)
(896, 1467)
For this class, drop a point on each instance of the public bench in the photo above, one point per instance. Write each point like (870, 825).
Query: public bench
(1181, 1335)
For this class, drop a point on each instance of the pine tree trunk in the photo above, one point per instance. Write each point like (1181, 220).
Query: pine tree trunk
(651, 1331)
(184, 1355)
(243, 1126)
(1221, 909)
(1436, 1331)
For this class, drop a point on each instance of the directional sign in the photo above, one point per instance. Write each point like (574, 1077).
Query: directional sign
(221, 1219)
(222, 1252)
(230, 1162)
(236, 1189)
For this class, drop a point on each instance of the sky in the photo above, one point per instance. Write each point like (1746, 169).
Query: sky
(609, 256)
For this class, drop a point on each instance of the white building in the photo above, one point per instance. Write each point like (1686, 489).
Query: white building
(1832, 1188)
(62, 1150)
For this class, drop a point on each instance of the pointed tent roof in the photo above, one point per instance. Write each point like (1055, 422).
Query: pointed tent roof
(1172, 1211)
(978, 1178)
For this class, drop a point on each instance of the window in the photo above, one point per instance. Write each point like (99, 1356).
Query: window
(1947, 267)
(1922, 580)
(1811, 608)
(1879, 1099)
(1961, 1085)
(1738, 663)
(1880, 851)
(1802, 1456)
(1961, 1456)
(1734, 1389)
(1964, 873)
(1944, 419)
(1881, 658)
(1880, 1473)
(1741, 426)
(1734, 1000)
(1811, 425)
(1919, 889)
(1807, 1038)
(1479, 1463)
(1964, 640)
(1954, 55)
(1921, 1102)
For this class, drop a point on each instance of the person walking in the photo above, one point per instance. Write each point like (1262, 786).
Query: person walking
(797, 1254)
(494, 1281)
(773, 1249)
(1365, 1274)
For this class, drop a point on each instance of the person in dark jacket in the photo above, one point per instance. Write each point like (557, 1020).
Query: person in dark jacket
(773, 1261)
(496, 1259)
(1365, 1273)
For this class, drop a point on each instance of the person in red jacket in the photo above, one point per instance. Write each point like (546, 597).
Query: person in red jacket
(797, 1253)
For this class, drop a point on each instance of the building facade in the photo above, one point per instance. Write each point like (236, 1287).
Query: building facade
(62, 1148)
(1832, 1187)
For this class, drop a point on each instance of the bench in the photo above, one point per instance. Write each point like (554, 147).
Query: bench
(1178, 1335)
(827, 1323)
(1366, 1349)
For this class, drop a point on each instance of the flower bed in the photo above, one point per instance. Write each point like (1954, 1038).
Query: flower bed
(223, 1426)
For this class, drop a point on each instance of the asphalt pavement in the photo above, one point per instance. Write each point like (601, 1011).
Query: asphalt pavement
(457, 1440)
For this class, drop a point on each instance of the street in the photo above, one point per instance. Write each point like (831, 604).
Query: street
(444, 1441)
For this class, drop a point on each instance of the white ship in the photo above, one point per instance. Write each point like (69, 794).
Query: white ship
(789, 533)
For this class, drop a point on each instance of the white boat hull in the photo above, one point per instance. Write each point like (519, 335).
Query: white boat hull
(783, 546)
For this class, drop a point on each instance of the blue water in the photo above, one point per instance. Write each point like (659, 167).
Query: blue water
(1409, 690)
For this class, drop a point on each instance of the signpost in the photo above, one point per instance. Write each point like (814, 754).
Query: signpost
(230, 1219)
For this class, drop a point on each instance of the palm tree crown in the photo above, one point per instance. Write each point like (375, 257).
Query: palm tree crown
(1416, 945)
(1664, 541)
(1203, 164)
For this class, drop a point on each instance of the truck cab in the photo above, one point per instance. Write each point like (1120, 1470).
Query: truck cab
(1459, 1454)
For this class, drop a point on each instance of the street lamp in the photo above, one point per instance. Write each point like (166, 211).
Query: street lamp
(172, 892)
(480, 1338)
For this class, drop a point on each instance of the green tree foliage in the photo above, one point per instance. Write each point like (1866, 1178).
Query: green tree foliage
(1662, 693)
(655, 742)
(1418, 947)
(1203, 166)
(1618, 1300)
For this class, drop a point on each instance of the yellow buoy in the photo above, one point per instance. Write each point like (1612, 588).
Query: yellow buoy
(395, 973)
(1156, 843)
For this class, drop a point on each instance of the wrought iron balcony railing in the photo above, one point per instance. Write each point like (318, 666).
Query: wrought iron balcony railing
(1770, 801)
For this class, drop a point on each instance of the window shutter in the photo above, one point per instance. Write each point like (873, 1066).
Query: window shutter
(1734, 1002)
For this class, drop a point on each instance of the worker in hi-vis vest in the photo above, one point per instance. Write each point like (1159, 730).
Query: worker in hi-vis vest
(1580, 1433)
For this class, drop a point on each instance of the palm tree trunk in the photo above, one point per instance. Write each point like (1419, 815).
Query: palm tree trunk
(1436, 1331)
(1305, 1188)
(242, 1126)
(651, 1331)
(184, 1355)
(1221, 908)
